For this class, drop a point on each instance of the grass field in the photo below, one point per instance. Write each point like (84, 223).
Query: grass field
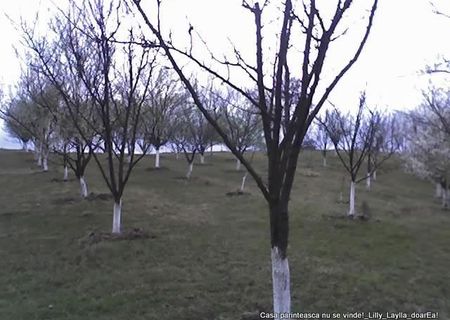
(208, 254)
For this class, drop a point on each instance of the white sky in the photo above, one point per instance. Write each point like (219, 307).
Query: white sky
(406, 37)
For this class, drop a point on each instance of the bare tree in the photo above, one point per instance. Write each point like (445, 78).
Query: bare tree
(285, 118)
(242, 123)
(88, 55)
(322, 139)
(184, 138)
(352, 136)
(158, 125)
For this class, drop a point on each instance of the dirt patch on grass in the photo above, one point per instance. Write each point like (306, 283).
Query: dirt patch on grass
(237, 193)
(64, 200)
(307, 172)
(99, 196)
(132, 234)
(157, 169)
(61, 180)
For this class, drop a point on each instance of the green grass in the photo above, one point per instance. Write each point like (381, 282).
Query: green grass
(209, 254)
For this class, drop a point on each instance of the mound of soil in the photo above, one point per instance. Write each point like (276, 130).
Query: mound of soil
(100, 196)
(61, 180)
(133, 234)
(237, 193)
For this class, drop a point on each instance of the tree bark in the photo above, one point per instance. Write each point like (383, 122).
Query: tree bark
(202, 159)
(243, 183)
(190, 168)
(238, 164)
(324, 162)
(351, 211)
(45, 162)
(117, 216)
(374, 175)
(157, 158)
(439, 190)
(368, 180)
(39, 158)
(279, 233)
(83, 187)
(66, 173)
(280, 282)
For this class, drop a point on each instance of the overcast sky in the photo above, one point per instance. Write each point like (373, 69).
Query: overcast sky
(406, 36)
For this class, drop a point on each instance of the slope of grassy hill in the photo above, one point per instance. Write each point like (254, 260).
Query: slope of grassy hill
(207, 255)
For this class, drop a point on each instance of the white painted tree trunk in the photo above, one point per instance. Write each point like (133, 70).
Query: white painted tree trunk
(190, 168)
(39, 154)
(39, 158)
(324, 162)
(280, 282)
(45, 162)
(243, 183)
(157, 158)
(202, 159)
(351, 211)
(177, 155)
(368, 181)
(117, 216)
(66, 173)
(438, 193)
(128, 158)
(238, 164)
(444, 193)
(374, 175)
(83, 188)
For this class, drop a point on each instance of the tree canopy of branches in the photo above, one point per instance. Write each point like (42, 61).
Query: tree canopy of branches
(285, 113)
(86, 59)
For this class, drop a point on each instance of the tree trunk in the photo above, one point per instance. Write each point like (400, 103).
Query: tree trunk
(45, 162)
(374, 175)
(243, 183)
(128, 158)
(280, 282)
(438, 193)
(351, 211)
(66, 173)
(279, 234)
(238, 164)
(444, 196)
(202, 159)
(157, 158)
(39, 155)
(368, 180)
(117, 217)
(324, 161)
(83, 187)
(190, 168)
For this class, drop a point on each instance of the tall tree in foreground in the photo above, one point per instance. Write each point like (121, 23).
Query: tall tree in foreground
(285, 114)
